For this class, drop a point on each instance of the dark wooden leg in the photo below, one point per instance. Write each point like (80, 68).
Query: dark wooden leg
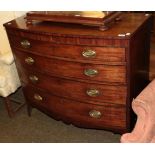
(8, 104)
(29, 110)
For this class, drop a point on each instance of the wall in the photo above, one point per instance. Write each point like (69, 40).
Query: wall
(6, 16)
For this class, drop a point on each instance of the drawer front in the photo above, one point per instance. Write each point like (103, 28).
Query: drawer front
(78, 113)
(104, 54)
(88, 92)
(86, 71)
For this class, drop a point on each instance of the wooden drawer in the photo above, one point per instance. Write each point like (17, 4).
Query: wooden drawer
(60, 68)
(83, 91)
(87, 53)
(78, 113)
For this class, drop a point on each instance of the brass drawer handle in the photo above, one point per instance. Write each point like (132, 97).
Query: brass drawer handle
(90, 72)
(89, 53)
(25, 44)
(93, 92)
(38, 97)
(95, 114)
(29, 60)
(33, 78)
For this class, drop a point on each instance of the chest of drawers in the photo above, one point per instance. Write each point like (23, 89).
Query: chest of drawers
(79, 74)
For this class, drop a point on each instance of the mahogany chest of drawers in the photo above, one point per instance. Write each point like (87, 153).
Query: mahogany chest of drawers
(79, 74)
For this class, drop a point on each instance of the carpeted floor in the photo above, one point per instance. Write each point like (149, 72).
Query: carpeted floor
(40, 128)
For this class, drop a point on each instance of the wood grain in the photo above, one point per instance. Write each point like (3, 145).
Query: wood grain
(122, 61)
(77, 113)
(73, 69)
(76, 90)
(49, 49)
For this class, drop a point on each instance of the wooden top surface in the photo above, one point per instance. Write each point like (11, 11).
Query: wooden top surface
(129, 24)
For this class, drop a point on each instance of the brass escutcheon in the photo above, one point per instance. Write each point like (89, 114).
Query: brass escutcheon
(25, 44)
(33, 78)
(29, 60)
(90, 72)
(95, 114)
(38, 97)
(93, 92)
(88, 53)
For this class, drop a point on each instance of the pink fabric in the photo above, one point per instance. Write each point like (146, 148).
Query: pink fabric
(144, 107)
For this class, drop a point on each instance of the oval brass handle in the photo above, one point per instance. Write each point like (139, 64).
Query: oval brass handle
(25, 44)
(90, 72)
(93, 92)
(95, 114)
(89, 53)
(29, 60)
(33, 78)
(38, 97)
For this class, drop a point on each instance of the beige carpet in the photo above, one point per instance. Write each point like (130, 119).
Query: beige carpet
(40, 128)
